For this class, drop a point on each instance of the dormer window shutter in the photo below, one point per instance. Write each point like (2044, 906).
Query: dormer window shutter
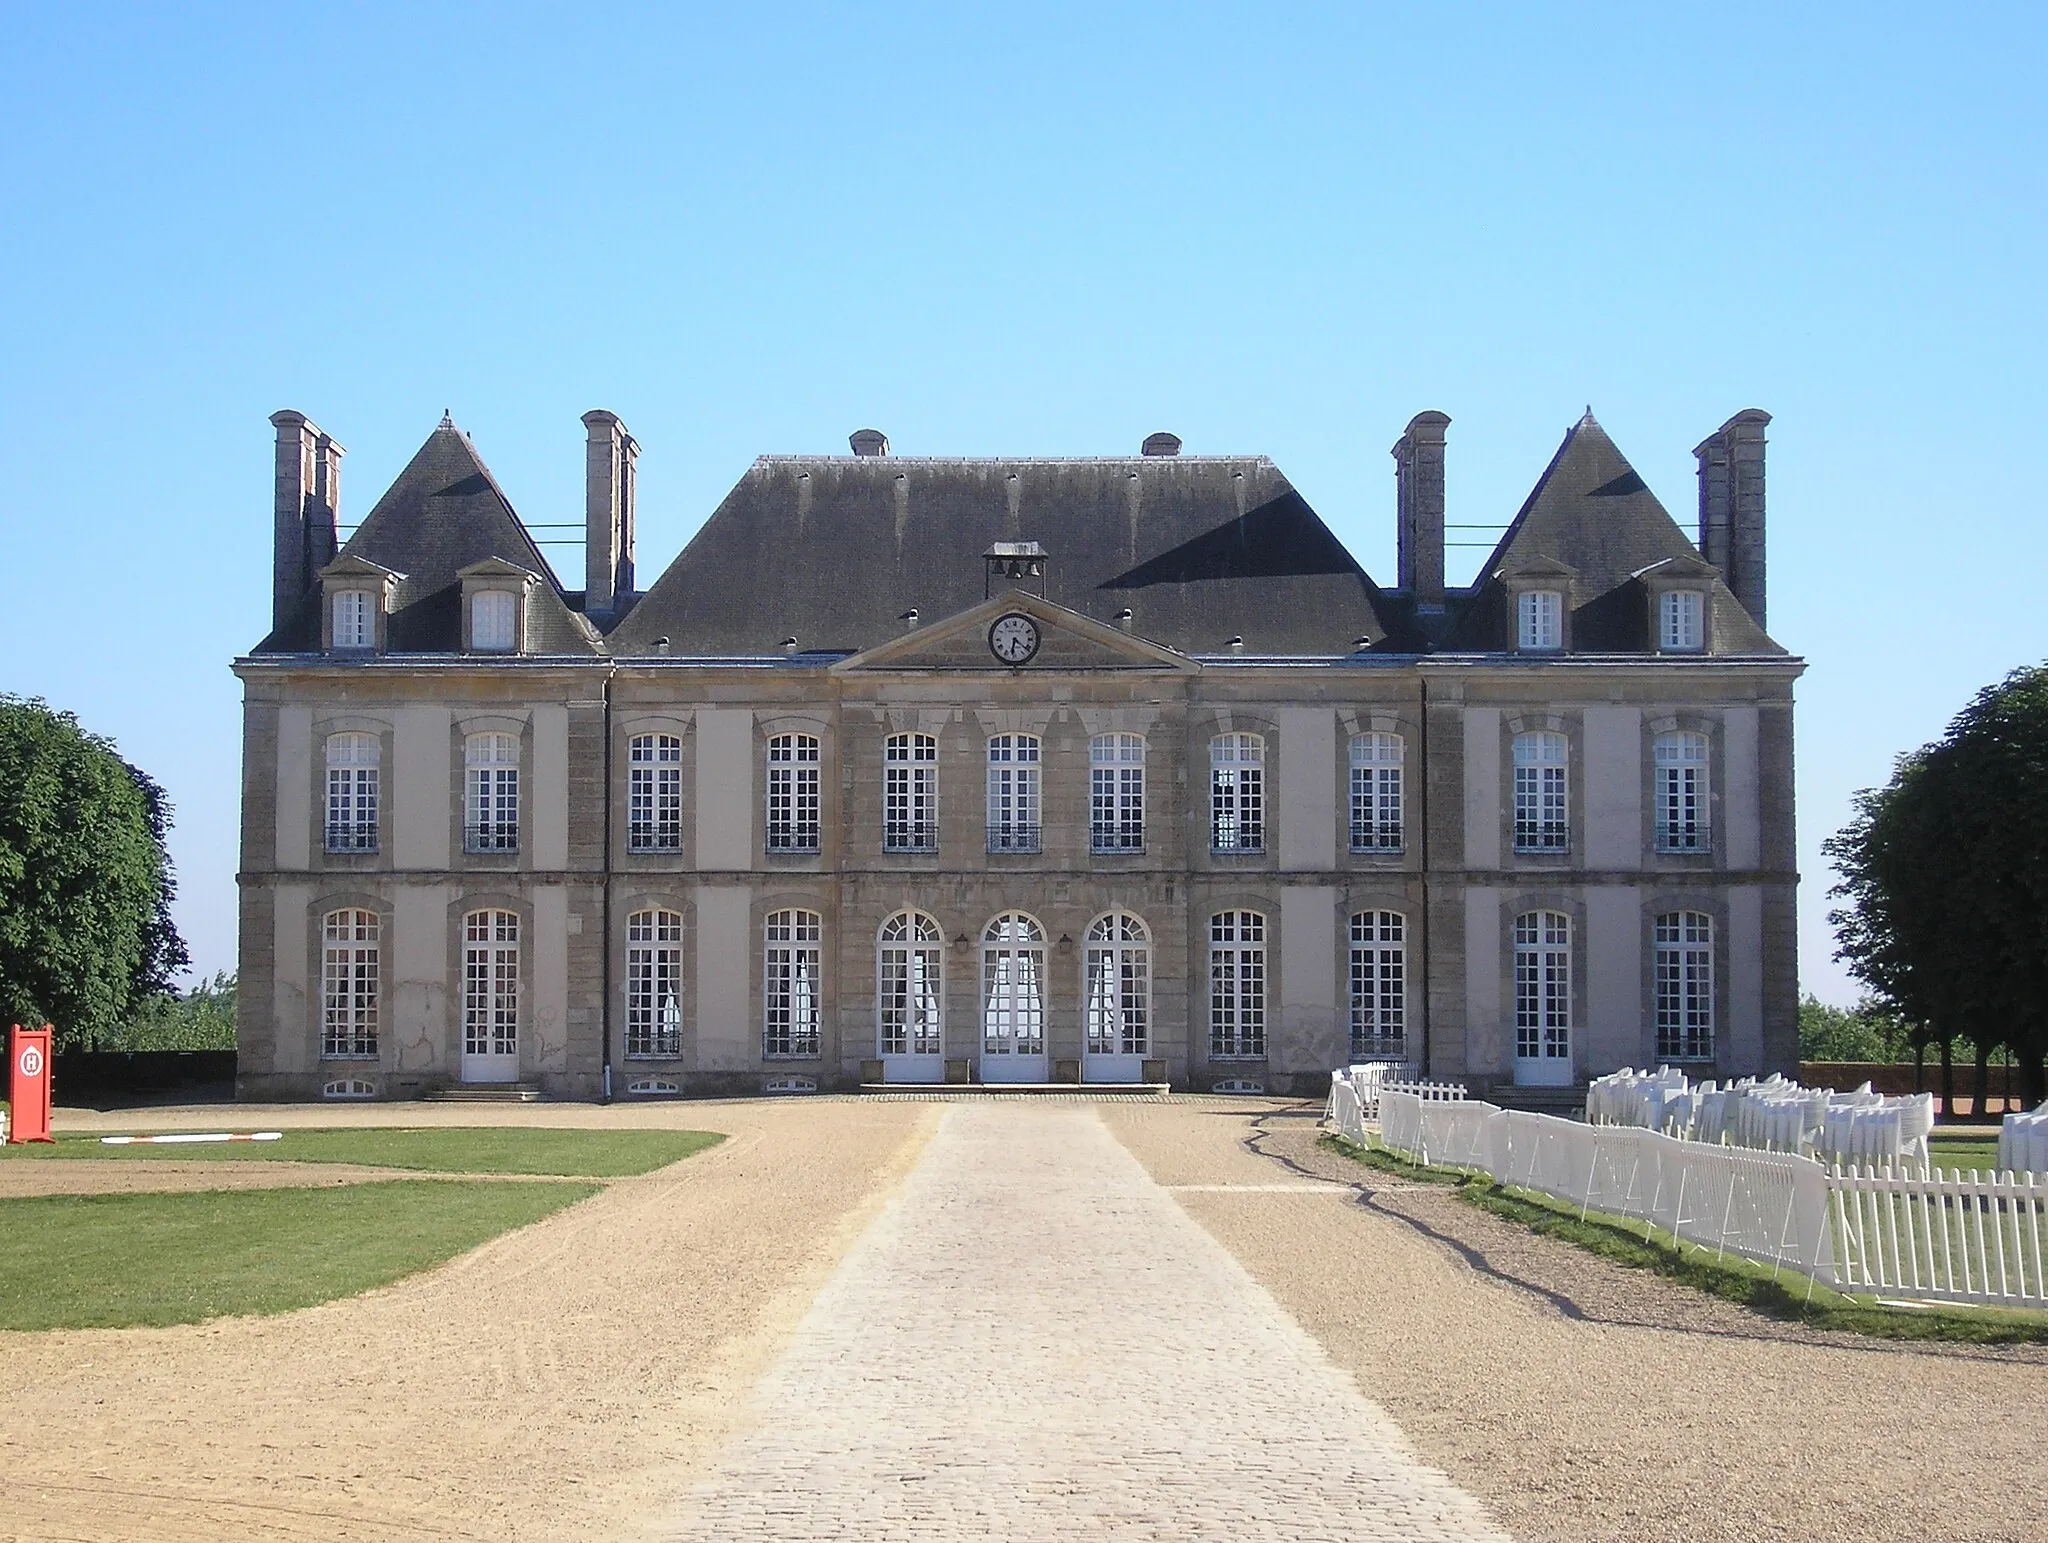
(1540, 619)
(355, 619)
(493, 621)
(1680, 621)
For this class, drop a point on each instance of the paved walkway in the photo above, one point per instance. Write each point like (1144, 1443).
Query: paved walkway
(1034, 1341)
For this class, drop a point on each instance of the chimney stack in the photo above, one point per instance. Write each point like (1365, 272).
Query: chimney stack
(306, 502)
(1160, 444)
(608, 478)
(1732, 505)
(868, 442)
(1419, 507)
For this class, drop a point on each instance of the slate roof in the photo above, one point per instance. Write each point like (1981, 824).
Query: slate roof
(443, 513)
(834, 549)
(1593, 513)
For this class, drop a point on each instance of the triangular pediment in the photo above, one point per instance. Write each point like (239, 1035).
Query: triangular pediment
(348, 566)
(1067, 640)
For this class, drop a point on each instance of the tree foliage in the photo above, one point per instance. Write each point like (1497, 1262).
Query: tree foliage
(85, 882)
(200, 1019)
(1869, 1031)
(1944, 871)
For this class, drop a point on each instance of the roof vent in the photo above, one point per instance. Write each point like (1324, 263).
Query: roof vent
(1160, 444)
(1125, 618)
(868, 442)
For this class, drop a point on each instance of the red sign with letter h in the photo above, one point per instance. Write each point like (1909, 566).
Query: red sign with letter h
(28, 1085)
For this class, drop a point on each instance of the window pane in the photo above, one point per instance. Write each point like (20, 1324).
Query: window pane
(492, 626)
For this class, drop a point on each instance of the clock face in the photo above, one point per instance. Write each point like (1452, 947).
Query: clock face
(1014, 638)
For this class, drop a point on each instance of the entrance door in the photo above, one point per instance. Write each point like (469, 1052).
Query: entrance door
(910, 997)
(1543, 1000)
(490, 997)
(1116, 1008)
(1013, 1000)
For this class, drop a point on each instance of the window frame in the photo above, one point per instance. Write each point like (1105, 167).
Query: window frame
(351, 972)
(792, 984)
(1117, 958)
(1018, 995)
(1539, 620)
(1238, 980)
(654, 783)
(1541, 786)
(1116, 793)
(492, 961)
(1683, 1008)
(1378, 785)
(1542, 978)
(354, 787)
(491, 793)
(1673, 634)
(478, 615)
(793, 794)
(1690, 751)
(1016, 791)
(654, 984)
(910, 792)
(910, 990)
(1237, 793)
(1378, 975)
(363, 631)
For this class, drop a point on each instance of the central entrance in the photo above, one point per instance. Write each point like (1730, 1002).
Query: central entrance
(1117, 1010)
(1013, 1000)
(910, 1011)
(490, 996)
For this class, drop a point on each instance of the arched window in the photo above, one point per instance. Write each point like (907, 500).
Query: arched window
(1237, 793)
(910, 999)
(1681, 797)
(352, 792)
(654, 793)
(1013, 793)
(1542, 807)
(654, 984)
(1237, 986)
(1376, 792)
(349, 966)
(491, 811)
(793, 965)
(490, 983)
(793, 793)
(355, 619)
(1685, 986)
(910, 793)
(1543, 985)
(494, 621)
(1013, 986)
(1379, 985)
(1117, 1012)
(1116, 793)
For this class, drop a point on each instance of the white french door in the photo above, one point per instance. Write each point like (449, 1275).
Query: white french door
(1116, 1008)
(1543, 1000)
(910, 999)
(1013, 1000)
(490, 997)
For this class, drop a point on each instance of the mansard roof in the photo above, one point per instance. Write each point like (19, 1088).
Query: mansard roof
(834, 550)
(444, 514)
(1593, 522)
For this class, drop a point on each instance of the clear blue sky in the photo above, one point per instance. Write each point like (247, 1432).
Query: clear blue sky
(1281, 229)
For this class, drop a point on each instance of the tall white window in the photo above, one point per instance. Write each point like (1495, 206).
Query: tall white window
(1116, 793)
(1237, 986)
(1013, 986)
(1117, 1016)
(1542, 805)
(1539, 619)
(1681, 620)
(1543, 985)
(1013, 794)
(1685, 986)
(349, 966)
(654, 984)
(910, 999)
(351, 793)
(789, 985)
(355, 622)
(1681, 793)
(1376, 793)
(1237, 793)
(910, 793)
(493, 621)
(793, 793)
(654, 793)
(490, 983)
(1379, 984)
(491, 807)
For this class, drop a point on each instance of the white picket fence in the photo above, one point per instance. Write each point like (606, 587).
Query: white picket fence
(1935, 1237)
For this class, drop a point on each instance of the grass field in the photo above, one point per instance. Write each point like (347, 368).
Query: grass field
(595, 1154)
(116, 1261)
(1979, 1152)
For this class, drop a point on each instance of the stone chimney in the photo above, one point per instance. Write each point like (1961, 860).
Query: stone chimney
(868, 442)
(1732, 505)
(608, 476)
(306, 502)
(1160, 444)
(1419, 507)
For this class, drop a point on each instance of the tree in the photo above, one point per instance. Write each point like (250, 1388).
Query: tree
(1945, 874)
(1863, 1033)
(200, 1019)
(85, 883)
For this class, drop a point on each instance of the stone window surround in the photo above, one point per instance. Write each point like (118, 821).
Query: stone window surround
(354, 574)
(1684, 722)
(495, 575)
(519, 724)
(1661, 901)
(765, 904)
(1571, 724)
(1656, 585)
(1204, 728)
(317, 909)
(482, 897)
(626, 727)
(1201, 914)
(1519, 902)
(648, 894)
(1376, 894)
(769, 726)
(323, 729)
(1352, 722)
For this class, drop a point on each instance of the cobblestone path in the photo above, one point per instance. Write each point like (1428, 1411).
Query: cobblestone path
(1034, 1341)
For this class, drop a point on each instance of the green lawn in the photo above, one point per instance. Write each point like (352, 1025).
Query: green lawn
(115, 1261)
(595, 1154)
(1965, 1152)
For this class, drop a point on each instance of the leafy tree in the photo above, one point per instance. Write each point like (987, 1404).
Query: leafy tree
(1866, 1032)
(85, 882)
(200, 1019)
(1945, 874)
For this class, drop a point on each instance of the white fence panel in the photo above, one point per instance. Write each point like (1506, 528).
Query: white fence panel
(1948, 1237)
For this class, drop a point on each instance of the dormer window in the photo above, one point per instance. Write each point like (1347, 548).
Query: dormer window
(493, 621)
(1681, 615)
(355, 619)
(1540, 619)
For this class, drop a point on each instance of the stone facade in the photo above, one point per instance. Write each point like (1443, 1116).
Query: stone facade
(405, 993)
